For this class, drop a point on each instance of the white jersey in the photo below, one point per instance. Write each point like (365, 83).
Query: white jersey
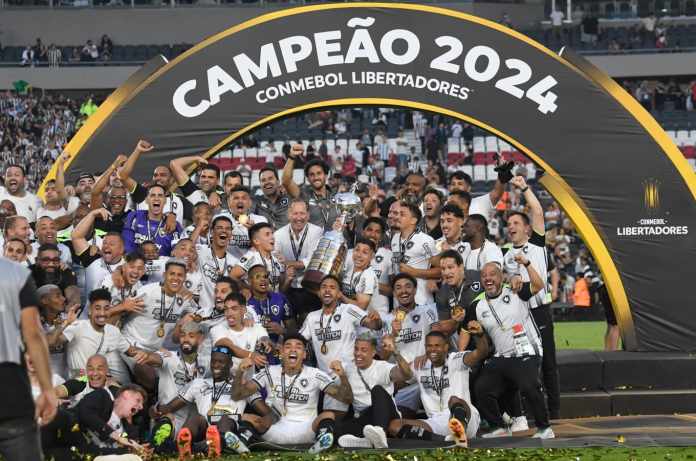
(97, 271)
(26, 206)
(214, 399)
(212, 268)
(481, 205)
(53, 214)
(246, 338)
(438, 384)
(119, 294)
(274, 267)
(239, 242)
(377, 374)
(361, 282)
(188, 232)
(411, 338)
(175, 374)
(295, 397)
(305, 244)
(337, 331)
(154, 269)
(161, 311)
(56, 353)
(173, 204)
(508, 321)
(84, 341)
(460, 247)
(382, 265)
(474, 260)
(535, 251)
(415, 251)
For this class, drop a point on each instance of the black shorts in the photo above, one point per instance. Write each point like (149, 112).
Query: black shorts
(606, 303)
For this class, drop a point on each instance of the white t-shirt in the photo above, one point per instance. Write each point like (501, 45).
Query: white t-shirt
(205, 393)
(173, 204)
(84, 341)
(557, 18)
(26, 206)
(245, 339)
(53, 214)
(96, 272)
(474, 260)
(211, 268)
(175, 374)
(461, 247)
(411, 338)
(252, 258)
(65, 255)
(56, 353)
(56, 380)
(295, 397)
(415, 251)
(154, 269)
(337, 331)
(239, 241)
(481, 205)
(305, 249)
(535, 251)
(363, 282)
(382, 265)
(377, 374)
(117, 294)
(141, 329)
(438, 384)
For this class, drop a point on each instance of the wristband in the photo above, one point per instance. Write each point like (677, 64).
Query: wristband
(528, 263)
(525, 189)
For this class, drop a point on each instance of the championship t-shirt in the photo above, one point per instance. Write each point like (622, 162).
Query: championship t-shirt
(410, 339)
(438, 384)
(416, 251)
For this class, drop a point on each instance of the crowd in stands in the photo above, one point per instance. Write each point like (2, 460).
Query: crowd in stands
(54, 55)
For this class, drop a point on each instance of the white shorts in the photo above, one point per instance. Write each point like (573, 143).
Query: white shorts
(286, 432)
(408, 397)
(331, 403)
(438, 422)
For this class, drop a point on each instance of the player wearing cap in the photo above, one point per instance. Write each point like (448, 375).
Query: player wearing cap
(293, 394)
(220, 414)
(408, 324)
(413, 252)
(505, 316)
(444, 391)
(372, 382)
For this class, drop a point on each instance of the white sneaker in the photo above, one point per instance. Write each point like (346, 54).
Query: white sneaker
(500, 432)
(507, 419)
(324, 442)
(351, 441)
(544, 434)
(376, 436)
(519, 424)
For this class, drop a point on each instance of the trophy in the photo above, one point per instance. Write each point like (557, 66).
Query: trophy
(330, 254)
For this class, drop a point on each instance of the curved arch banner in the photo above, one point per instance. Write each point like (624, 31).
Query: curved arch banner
(612, 168)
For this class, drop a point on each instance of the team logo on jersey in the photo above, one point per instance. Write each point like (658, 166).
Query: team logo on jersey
(416, 318)
(476, 286)
(445, 370)
(275, 309)
(525, 249)
(201, 370)
(485, 314)
(337, 318)
(242, 260)
(378, 259)
(188, 284)
(409, 245)
(506, 299)
(284, 201)
(303, 382)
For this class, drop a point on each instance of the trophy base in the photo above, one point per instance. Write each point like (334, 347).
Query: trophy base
(312, 279)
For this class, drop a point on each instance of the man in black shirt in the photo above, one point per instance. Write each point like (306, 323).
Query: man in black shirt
(48, 271)
(19, 439)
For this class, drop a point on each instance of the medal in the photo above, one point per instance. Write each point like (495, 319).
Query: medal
(400, 315)
(457, 311)
(324, 349)
(160, 331)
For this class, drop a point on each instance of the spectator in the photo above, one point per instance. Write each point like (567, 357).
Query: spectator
(28, 56)
(106, 47)
(55, 56)
(90, 52)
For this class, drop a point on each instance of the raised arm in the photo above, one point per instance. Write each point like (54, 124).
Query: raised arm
(402, 371)
(83, 228)
(178, 167)
(342, 391)
(127, 169)
(60, 174)
(482, 347)
(288, 170)
(536, 212)
(241, 388)
(535, 281)
(96, 197)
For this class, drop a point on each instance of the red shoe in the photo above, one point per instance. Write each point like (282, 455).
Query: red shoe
(458, 433)
(212, 436)
(183, 444)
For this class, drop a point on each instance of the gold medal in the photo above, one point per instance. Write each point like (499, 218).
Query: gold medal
(324, 349)
(400, 315)
(160, 331)
(457, 311)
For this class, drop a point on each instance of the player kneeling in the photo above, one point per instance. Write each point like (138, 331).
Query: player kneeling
(293, 394)
(219, 412)
(444, 390)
